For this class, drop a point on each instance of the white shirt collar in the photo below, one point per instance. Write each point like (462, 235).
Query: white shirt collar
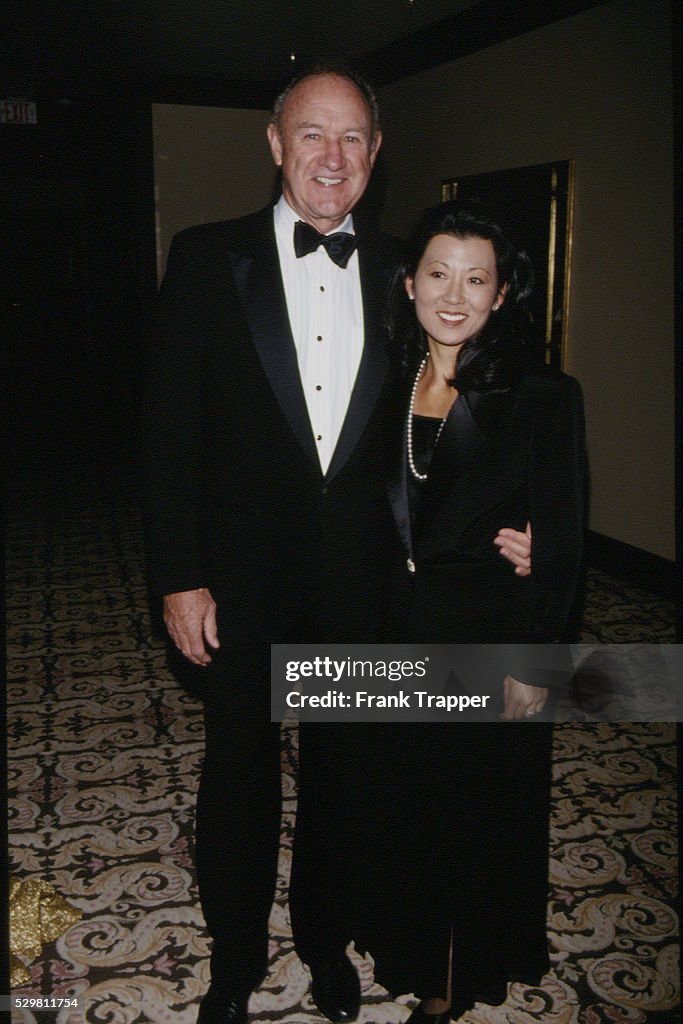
(286, 218)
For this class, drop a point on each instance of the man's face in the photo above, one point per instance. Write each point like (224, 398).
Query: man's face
(325, 147)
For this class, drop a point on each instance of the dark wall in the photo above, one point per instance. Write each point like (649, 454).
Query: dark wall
(77, 220)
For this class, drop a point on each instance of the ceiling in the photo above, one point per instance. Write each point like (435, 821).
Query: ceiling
(233, 39)
(139, 42)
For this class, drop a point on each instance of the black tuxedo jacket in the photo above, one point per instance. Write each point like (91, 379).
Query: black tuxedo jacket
(235, 498)
(501, 460)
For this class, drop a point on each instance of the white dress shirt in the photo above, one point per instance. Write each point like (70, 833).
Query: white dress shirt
(325, 308)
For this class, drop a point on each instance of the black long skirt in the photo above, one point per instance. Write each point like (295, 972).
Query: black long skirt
(456, 858)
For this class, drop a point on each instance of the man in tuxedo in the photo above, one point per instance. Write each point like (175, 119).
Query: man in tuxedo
(267, 518)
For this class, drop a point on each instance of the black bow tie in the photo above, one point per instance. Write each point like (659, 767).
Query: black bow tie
(339, 245)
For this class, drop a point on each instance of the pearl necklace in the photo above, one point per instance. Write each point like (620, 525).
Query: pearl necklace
(409, 429)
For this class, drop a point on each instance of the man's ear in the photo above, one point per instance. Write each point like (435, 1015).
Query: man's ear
(275, 142)
(374, 148)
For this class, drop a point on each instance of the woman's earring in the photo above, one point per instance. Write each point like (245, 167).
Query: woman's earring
(412, 298)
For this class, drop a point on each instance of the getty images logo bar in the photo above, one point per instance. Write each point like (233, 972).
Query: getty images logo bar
(464, 682)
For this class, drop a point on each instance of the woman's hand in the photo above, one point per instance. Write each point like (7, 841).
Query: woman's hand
(521, 699)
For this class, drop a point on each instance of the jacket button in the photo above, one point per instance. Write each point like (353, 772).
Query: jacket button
(411, 565)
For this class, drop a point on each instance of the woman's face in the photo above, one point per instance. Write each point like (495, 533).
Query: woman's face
(455, 289)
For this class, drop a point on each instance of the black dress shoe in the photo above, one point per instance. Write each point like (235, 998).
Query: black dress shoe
(220, 1005)
(335, 988)
(418, 1016)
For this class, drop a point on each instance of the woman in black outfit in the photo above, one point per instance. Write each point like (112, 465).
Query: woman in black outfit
(458, 901)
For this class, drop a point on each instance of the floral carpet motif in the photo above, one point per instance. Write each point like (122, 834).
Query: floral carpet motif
(105, 749)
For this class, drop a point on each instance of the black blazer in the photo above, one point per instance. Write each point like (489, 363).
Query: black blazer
(501, 460)
(235, 498)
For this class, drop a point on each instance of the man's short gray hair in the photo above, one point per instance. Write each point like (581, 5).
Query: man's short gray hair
(340, 70)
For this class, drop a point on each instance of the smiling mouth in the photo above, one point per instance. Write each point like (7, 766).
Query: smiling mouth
(452, 318)
(327, 182)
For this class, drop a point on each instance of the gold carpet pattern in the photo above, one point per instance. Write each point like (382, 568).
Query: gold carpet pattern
(105, 749)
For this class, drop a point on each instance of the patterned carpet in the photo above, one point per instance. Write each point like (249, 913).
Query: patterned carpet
(105, 750)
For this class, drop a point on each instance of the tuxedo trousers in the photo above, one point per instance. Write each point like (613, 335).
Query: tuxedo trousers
(294, 586)
(238, 813)
(239, 818)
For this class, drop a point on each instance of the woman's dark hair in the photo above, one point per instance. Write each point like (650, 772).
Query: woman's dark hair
(491, 361)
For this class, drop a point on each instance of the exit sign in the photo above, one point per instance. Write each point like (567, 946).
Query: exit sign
(14, 111)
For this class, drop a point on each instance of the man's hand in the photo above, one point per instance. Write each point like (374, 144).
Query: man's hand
(522, 700)
(190, 617)
(516, 547)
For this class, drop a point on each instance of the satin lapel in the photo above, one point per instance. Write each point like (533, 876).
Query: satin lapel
(461, 440)
(374, 364)
(259, 282)
(397, 483)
